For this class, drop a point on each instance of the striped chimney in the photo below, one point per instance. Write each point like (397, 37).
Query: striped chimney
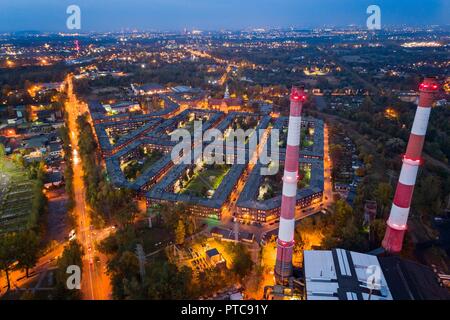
(285, 244)
(398, 218)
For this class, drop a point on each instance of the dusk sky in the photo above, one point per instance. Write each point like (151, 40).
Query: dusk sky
(114, 15)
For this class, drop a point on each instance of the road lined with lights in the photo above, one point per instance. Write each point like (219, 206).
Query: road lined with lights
(95, 283)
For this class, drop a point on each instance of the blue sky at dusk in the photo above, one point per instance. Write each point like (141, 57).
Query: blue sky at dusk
(115, 15)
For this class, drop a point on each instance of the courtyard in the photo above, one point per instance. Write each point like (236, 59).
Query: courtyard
(203, 180)
(272, 186)
(144, 159)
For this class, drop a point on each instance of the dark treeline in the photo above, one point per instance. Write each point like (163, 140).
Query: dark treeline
(68, 170)
(33, 74)
(164, 279)
(108, 204)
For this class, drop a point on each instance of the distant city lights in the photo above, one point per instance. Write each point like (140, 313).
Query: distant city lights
(422, 44)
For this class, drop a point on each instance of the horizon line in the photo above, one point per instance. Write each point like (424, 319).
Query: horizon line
(218, 30)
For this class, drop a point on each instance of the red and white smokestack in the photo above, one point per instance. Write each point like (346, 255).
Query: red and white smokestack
(397, 222)
(77, 46)
(285, 244)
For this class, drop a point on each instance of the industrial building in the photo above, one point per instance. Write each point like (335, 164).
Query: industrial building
(346, 275)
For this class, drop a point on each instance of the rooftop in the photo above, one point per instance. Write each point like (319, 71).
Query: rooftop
(212, 252)
(344, 275)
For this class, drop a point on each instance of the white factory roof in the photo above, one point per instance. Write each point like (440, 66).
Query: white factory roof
(344, 275)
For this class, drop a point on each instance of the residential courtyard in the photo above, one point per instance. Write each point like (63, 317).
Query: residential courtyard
(144, 160)
(204, 181)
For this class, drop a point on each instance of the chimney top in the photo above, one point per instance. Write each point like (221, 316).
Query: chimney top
(298, 94)
(429, 85)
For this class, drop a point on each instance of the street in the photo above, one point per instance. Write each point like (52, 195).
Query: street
(95, 283)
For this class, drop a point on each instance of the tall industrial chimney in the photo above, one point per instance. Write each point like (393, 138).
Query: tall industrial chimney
(397, 222)
(77, 47)
(285, 244)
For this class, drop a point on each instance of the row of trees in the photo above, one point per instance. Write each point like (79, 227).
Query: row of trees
(18, 251)
(37, 173)
(344, 228)
(68, 170)
(176, 219)
(66, 275)
(183, 73)
(71, 256)
(350, 229)
(390, 137)
(106, 202)
(379, 142)
(22, 78)
(163, 279)
(391, 134)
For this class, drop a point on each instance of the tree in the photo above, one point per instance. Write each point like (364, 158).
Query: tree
(190, 225)
(394, 146)
(72, 255)
(8, 244)
(383, 194)
(2, 151)
(128, 264)
(165, 280)
(343, 213)
(347, 230)
(360, 172)
(170, 216)
(154, 211)
(116, 201)
(377, 229)
(180, 232)
(39, 204)
(242, 262)
(28, 248)
(367, 104)
(427, 198)
(18, 159)
(299, 244)
(337, 154)
(211, 280)
(133, 289)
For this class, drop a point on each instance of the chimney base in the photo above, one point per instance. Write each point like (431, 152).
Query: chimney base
(393, 240)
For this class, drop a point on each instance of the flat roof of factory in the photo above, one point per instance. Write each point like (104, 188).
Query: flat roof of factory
(343, 275)
(346, 275)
